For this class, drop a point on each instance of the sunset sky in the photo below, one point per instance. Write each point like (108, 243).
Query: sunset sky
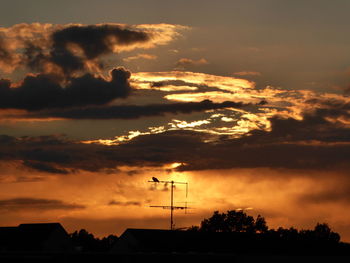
(247, 101)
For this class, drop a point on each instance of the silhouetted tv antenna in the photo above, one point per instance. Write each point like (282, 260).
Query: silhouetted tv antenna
(171, 207)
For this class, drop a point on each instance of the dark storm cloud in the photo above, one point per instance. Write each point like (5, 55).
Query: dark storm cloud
(334, 195)
(246, 152)
(46, 155)
(41, 153)
(6, 140)
(127, 203)
(5, 54)
(45, 91)
(44, 167)
(331, 107)
(313, 127)
(311, 143)
(93, 40)
(36, 204)
(329, 193)
(135, 111)
(73, 49)
(35, 57)
(315, 143)
(54, 154)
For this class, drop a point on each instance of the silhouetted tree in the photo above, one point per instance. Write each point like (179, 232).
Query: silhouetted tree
(216, 223)
(323, 232)
(234, 221)
(238, 221)
(260, 224)
(287, 234)
(108, 242)
(84, 241)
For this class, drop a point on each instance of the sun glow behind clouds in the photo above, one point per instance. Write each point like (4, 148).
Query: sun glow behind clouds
(123, 138)
(199, 87)
(184, 86)
(224, 83)
(126, 195)
(184, 124)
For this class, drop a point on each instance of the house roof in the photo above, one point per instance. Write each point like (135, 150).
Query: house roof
(156, 240)
(38, 233)
(41, 230)
(29, 236)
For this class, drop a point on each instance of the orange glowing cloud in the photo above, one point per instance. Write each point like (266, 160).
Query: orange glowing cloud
(33, 45)
(221, 82)
(140, 56)
(183, 63)
(247, 73)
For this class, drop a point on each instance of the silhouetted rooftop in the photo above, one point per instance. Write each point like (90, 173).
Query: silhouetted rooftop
(41, 236)
(156, 240)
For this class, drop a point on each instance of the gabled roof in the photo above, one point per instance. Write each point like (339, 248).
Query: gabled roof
(31, 236)
(38, 233)
(41, 230)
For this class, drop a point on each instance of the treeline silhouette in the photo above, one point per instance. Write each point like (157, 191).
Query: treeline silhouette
(239, 221)
(244, 230)
(257, 235)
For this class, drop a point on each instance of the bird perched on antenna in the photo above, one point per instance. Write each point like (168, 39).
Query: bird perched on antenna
(155, 180)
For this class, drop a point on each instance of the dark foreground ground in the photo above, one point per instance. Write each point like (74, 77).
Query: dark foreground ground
(166, 257)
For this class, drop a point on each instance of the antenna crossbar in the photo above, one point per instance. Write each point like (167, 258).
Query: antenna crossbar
(171, 207)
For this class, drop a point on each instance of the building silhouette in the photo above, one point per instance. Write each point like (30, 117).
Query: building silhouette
(44, 237)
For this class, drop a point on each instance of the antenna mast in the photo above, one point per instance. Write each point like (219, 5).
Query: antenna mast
(171, 207)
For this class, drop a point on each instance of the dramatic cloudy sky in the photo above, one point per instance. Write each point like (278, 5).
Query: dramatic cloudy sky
(247, 101)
